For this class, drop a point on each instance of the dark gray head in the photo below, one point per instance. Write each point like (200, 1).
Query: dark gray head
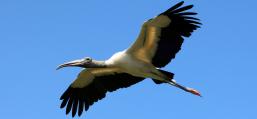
(77, 63)
(86, 62)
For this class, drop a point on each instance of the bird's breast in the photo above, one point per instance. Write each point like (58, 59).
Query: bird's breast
(121, 59)
(129, 64)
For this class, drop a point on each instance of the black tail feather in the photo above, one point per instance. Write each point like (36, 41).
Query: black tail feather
(168, 74)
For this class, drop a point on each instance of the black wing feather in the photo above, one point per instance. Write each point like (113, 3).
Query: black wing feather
(174, 7)
(79, 99)
(81, 106)
(181, 9)
(171, 38)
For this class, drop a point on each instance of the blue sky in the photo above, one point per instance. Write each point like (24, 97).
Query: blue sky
(220, 59)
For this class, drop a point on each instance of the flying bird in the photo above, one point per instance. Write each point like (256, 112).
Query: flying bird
(159, 40)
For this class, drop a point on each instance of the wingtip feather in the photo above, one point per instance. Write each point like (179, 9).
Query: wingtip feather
(174, 7)
(183, 9)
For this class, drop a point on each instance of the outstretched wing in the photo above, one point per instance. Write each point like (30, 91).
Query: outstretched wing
(161, 37)
(92, 85)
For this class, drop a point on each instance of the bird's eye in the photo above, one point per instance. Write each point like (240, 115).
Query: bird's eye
(88, 59)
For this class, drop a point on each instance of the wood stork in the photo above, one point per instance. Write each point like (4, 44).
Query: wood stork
(159, 40)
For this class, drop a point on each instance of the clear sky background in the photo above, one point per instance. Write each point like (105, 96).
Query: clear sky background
(220, 59)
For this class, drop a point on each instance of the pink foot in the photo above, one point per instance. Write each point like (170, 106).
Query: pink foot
(193, 91)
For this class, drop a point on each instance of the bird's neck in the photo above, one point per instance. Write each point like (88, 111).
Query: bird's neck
(98, 64)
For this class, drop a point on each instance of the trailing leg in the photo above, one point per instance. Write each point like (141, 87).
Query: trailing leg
(172, 82)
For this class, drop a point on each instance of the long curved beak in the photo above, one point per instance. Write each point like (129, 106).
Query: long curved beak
(75, 63)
